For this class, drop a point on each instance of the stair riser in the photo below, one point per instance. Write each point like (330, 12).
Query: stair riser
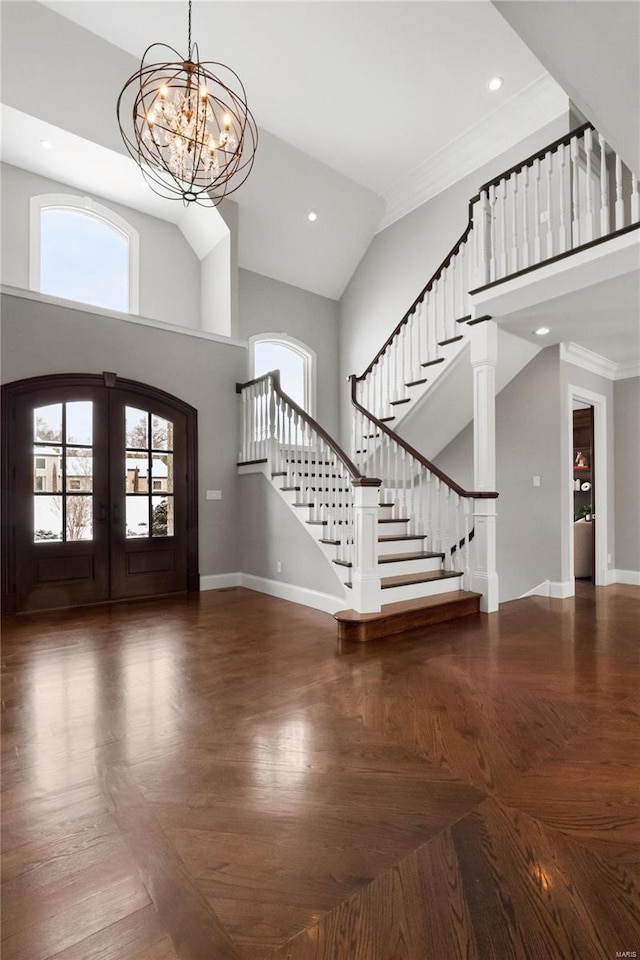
(413, 591)
(392, 529)
(400, 546)
(399, 567)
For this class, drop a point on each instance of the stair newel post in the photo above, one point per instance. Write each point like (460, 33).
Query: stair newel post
(525, 212)
(619, 208)
(243, 427)
(466, 548)
(272, 451)
(484, 356)
(635, 199)
(562, 235)
(605, 216)
(589, 225)
(365, 575)
(515, 253)
(549, 169)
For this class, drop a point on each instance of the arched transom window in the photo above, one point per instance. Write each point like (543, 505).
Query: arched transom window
(82, 251)
(294, 360)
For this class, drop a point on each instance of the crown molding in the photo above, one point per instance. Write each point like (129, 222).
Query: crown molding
(626, 370)
(588, 360)
(530, 110)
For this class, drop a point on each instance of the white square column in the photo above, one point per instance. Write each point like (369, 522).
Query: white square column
(365, 575)
(484, 357)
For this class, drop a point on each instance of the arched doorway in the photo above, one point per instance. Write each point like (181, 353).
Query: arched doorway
(100, 488)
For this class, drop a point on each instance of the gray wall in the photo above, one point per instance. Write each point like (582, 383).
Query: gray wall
(528, 422)
(401, 259)
(269, 306)
(42, 339)
(169, 269)
(271, 533)
(626, 398)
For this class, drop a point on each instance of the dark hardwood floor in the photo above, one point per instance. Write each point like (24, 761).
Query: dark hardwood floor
(213, 780)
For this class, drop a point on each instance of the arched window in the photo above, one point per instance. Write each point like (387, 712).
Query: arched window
(83, 251)
(294, 360)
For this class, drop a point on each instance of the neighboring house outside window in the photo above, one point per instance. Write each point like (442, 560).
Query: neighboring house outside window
(295, 361)
(82, 251)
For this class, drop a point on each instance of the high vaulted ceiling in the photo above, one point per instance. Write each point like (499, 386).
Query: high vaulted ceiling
(365, 108)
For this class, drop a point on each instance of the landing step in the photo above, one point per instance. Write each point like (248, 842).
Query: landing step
(430, 363)
(416, 383)
(407, 616)
(445, 343)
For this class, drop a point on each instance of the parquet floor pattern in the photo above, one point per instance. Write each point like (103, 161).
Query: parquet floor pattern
(213, 780)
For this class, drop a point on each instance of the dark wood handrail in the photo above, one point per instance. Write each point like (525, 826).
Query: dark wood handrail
(445, 263)
(472, 494)
(358, 479)
(540, 155)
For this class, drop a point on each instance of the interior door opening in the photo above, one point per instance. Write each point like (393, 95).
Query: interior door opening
(584, 472)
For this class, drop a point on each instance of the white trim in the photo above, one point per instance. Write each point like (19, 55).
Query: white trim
(541, 590)
(89, 308)
(626, 370)
(308, 355)
(90, 208)
(632, 577)
(275, 588)
(504, 128)
(588, 360)
(220, 581)
(561, 589)
(599, 404)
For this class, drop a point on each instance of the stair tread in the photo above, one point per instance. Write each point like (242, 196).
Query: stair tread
(405, 579)
(278, 473)
(395, 403)
(246, 463)
(430, 363)
(415, 555)
(402, 536)
(472, 323)
(416, 383)
(464, 319)
(386, 419)
(332, 543)
(407, 606)
(394, 520)
(289, 488)
(444, 343)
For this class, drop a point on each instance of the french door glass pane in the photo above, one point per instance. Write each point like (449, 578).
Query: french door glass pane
(137, 517)
(47, 518)
(137, 472)
(137, 428)
(162, 517)
(80, 422)
(79, 470)
(47, 424)
(161, 434)
(47, 469)
(79, 518)
(162, 473)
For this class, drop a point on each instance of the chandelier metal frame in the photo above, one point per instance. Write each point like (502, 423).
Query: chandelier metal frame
(190, 132)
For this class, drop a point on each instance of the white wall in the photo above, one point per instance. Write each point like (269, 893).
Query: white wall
(268, 305)
(169, 269)
(626, 418)
(40, 339)
(401, 259)
(527, 445)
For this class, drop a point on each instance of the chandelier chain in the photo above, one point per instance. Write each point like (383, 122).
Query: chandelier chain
(189, 33)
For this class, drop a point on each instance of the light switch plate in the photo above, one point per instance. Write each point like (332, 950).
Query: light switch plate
(214, 494)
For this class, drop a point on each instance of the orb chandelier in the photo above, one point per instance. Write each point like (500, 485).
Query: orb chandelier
(190, 132)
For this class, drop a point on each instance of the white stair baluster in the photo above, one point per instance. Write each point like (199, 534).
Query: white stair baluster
(562, 233)
(537, 244)
(493, 261)
(619, 200)
(635, 199)
(549, 201)
(515, 253)
(503, 231)
(524, 175)
(589, 231)
(605, 213)
(575, 194)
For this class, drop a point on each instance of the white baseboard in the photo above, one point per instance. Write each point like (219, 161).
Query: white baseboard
(631, 577)
(275, 588)
(218, 581)
(289, 591)
(558, 589)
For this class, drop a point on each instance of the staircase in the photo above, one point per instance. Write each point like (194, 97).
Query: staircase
(403, 535)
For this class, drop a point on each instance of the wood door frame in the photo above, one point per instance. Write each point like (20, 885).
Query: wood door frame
(147, 392)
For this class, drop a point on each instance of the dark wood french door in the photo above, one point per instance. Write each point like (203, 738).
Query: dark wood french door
(101, 492)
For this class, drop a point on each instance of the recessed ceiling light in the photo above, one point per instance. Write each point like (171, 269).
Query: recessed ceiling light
(312, 216)
(46, 145)
(542, 331)
(495, 83)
